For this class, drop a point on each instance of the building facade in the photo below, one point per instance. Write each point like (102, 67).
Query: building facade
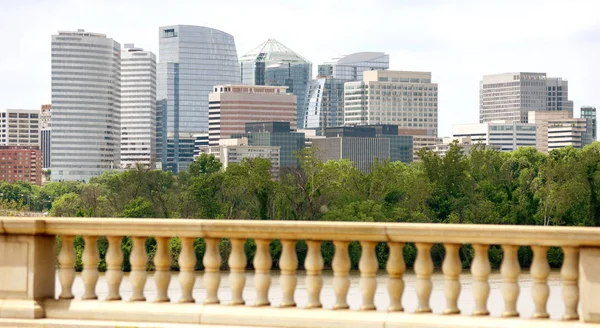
(362, 145)
(510, 96)
(406, 99)
(275, 134)
(325, 100)
(200, 144)
(138, 107)
(230, 151)
(45, 148)
(272, 63)
(232, 106)
(86, 105)
(506, 136)
(192, 60)
(541, 119)
(589, 113)
(20, 127)
(573, 132)
(21, 163)
(46, 116)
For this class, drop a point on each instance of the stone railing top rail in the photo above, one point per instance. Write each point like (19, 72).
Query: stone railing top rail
(303, 230)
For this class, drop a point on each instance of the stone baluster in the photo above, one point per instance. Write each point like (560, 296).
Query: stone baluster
(114, 263)
(162, 265)
(423, 269)
(452, 268)
(510, 270)
(539, 273)
(288, 264)
(341, 269)
(314, 281)
(138, 259)
(212, 263)
(480, 270)
(90, 261)
(395, 268)
(66, 273)
(368, 269)
(570, 276)
(262, 267)
(237, 265)
(187, 273)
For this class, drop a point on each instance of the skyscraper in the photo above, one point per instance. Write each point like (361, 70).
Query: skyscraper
(86, 105)
(193, 59)
(510, 96)
(589, 113)
(272, 63)
(138, 107)
(325, 100)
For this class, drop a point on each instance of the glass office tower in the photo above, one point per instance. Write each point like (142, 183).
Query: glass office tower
(192, 59)
(272, 63)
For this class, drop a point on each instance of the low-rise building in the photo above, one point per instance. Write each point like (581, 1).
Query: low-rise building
(465, 143)
(569, 132)
(508, 136)
(21, 163)
(231, 151)
(362, 145)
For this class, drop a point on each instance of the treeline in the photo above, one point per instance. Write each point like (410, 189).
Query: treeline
(486, 187)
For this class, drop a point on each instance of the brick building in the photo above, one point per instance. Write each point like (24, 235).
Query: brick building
(21, 163)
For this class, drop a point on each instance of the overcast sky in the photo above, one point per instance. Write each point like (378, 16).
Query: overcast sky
(458, 41)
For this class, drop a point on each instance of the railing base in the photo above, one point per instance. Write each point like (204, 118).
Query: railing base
(20, 309)
(145, 314)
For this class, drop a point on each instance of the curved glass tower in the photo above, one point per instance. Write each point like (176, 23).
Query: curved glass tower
(192, 60)
(272, 63)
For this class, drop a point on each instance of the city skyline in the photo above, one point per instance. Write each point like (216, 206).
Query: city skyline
(458, 44)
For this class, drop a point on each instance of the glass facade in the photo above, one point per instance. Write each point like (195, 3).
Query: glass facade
(86, 105)
(325, 100)
(272, 63)
(193, 59)
(589, 113)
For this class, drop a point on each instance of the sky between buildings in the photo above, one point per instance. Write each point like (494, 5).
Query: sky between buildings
(458, 41)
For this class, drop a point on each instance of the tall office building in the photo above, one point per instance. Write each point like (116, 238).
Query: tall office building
(46, 117)
(20, 127)
(232, 106)
(138, 107)
(272, 63)
(86, 105)
(510, 96)
(192, 60)
(403, 98)
(325, 100)
(589, 113)
(45, 134)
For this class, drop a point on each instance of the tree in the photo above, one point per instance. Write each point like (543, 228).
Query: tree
(66, 205)
(139, 208)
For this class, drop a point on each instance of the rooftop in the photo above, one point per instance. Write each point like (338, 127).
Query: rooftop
(273, 51)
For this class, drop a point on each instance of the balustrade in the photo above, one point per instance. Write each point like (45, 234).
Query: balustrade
(314, 236)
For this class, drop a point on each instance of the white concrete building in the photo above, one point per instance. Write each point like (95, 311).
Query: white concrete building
(20, 127)
(568, 132)
(86, 105)
(138, 107)
(406, 99)
(510, 96)
(507, 136)
(231, 151)
(541, 120)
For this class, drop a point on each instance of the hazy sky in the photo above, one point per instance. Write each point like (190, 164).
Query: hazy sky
(458, 41)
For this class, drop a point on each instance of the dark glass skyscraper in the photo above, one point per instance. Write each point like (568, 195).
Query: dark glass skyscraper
(272, 63)
(589, 113)
(192, 60)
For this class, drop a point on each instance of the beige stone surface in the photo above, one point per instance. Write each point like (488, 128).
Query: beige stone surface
(589, 284)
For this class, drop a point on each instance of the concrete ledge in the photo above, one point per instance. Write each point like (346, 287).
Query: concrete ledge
(14, 308)
(56, 323)
(78, 313)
